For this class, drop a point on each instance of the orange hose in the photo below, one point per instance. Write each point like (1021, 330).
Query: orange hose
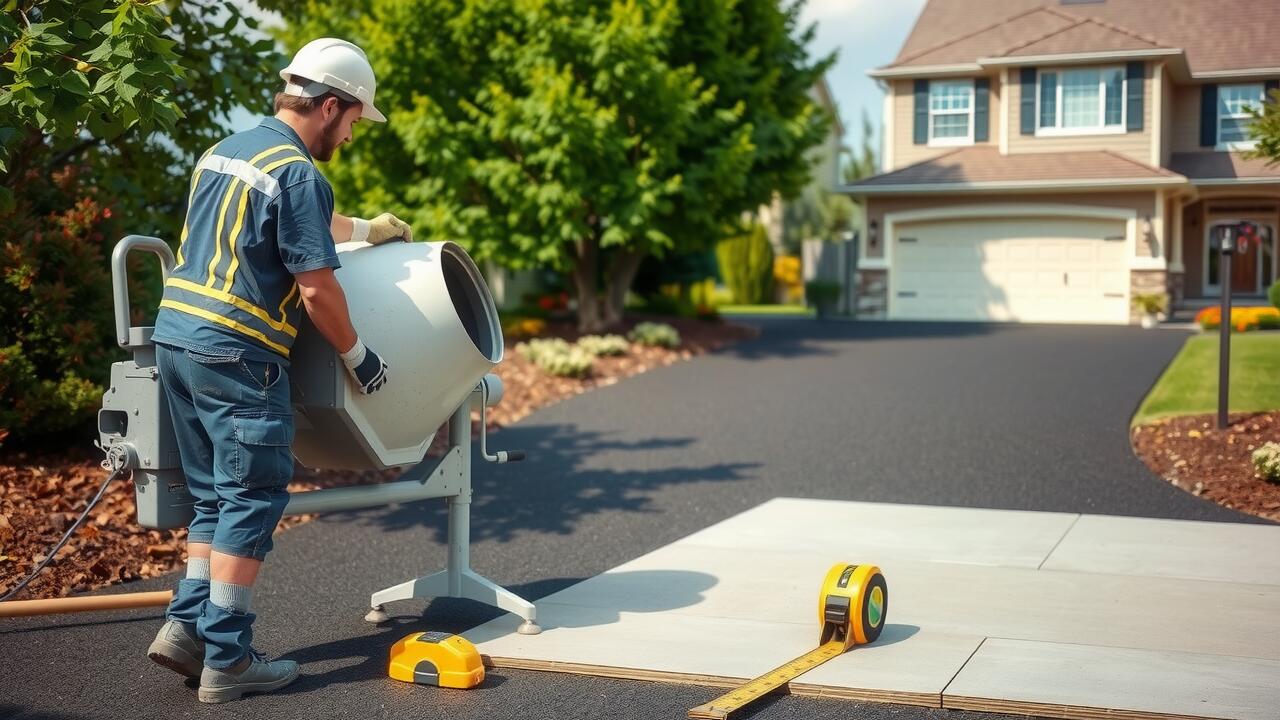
(17, 608)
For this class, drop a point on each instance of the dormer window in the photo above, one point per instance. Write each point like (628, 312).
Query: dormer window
(951, 112)
(1234, 103)
(1081, 101)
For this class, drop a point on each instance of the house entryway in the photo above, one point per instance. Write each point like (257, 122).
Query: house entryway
(1252, 270)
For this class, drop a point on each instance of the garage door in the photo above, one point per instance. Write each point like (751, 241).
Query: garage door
(1011, 269)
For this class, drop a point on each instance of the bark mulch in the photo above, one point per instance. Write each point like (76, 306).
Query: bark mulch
(41, 494)
(1193, 454)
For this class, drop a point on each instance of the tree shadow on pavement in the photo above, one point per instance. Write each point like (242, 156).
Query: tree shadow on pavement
(792, 338)
(562, 480)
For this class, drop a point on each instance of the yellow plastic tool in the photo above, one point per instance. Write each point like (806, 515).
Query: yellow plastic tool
(436, 658)
(852, 605)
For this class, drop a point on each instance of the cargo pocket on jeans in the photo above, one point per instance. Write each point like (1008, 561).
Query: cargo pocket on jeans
(263, 459)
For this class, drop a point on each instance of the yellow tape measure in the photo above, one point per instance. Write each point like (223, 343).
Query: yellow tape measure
(852, 606)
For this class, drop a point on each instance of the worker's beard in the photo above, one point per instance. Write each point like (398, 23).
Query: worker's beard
(330, 138)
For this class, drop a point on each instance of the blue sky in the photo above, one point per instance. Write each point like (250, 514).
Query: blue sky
(865, 33)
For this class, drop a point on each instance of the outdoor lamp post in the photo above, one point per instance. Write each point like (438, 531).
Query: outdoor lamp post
(1230, 238)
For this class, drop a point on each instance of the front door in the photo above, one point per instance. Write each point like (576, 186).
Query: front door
(1244, 271)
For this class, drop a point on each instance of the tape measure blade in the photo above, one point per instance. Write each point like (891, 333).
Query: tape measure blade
(753, 690)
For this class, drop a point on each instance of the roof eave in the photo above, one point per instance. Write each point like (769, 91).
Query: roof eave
(1239, 74)
(1013, 186)
(1079, 58)
(924, 71)
(1254, 180)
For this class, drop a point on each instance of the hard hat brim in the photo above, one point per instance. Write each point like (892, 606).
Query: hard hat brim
(371, 113)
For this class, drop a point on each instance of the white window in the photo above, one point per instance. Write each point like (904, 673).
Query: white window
(1081, 101)
(1234, 102)
(951, 112)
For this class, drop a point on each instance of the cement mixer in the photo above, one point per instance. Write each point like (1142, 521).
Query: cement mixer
(428, 310)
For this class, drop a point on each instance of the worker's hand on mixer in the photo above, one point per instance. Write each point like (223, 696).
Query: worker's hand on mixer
(383, 228)
(367, 368)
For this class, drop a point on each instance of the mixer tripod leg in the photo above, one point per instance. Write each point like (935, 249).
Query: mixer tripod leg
(478, 587)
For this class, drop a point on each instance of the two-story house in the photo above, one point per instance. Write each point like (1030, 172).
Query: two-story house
(1045, 160)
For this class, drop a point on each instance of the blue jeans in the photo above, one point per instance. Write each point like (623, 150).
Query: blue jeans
(234, 425)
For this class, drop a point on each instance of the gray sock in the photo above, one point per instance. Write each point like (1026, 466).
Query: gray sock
(197, 568)
(230, 596)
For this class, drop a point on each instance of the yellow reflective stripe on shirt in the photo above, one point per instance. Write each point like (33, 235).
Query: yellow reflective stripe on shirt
(222, 211)
(235, 231)
(285, 301)
(239, 302)
(195, 182)
(226, 322)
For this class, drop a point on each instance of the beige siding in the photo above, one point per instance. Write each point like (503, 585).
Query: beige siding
(1185, 136)
(877, 207)
(1136, 145)
(905, 151)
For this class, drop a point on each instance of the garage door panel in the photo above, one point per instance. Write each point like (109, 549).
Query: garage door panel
(1011, 269)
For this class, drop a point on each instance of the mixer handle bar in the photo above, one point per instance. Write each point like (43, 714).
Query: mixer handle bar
(120, 281)
(491, 390)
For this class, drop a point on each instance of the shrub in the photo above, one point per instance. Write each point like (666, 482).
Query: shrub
(746, 264)
(1242, 319)
(822, 293)
(599, 345)
(1266, 460)
(557, 357)
(1151, 303)
(57, 336)
(517, 327)
(1273, 293)
(655, 334)
(786, 275)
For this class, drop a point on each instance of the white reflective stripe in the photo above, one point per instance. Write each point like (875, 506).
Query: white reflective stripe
(252, 176)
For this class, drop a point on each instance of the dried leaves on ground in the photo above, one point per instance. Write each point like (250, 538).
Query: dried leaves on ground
(41, 495)
(1193, 454)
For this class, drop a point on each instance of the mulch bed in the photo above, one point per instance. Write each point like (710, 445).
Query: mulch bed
(41, 494)
(1193, 454)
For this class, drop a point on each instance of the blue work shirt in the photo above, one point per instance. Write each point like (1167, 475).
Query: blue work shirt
(258, 213)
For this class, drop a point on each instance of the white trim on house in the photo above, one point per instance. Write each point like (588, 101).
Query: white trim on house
(1102, 128)
(1079, 58)
(1237, 181)
(887, 135)
(1242, 73)
(1108, 184)
(1004, 111)
(1157, 109)
(1005, 210)
(925, 71)
(969, 112)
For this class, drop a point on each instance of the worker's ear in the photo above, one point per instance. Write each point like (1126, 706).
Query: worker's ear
(330, 108)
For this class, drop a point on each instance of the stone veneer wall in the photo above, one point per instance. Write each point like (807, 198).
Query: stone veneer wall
(873, 294)
(1146, 282)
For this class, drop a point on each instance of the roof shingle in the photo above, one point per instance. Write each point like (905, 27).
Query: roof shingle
(986, 165)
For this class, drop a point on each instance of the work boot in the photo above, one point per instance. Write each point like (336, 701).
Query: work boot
(178, 648)
(254, 674)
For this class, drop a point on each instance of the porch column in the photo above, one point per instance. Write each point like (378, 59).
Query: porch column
(1176, 260)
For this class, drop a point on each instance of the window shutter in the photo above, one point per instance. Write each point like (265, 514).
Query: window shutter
(1269, 87)
(1208, 115)
(920, 134)
(981, 104)
(1028, 104)
(1135, 73)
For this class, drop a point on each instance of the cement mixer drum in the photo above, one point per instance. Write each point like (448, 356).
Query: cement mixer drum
(425, 308)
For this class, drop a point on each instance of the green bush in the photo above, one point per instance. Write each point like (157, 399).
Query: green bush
(1266, 460)
(1150, 303)
(57, 335)
(599, 345)
(822, 293)
(746, 264)
(1273, 293)
(557, 357)
(655, 334)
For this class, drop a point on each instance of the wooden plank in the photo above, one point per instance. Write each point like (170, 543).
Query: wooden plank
(1229, 552)
(880, 532)
(1082, 681)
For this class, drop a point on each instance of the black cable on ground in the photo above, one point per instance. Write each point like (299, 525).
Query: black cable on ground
(65, 536)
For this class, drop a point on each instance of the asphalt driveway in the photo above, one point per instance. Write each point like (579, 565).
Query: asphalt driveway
(1016, 417)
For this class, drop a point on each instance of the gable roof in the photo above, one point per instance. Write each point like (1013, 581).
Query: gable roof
(984, 168)
(1216, 35)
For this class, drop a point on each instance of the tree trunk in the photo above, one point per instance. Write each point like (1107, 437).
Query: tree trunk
(622, 272)
(586, 263)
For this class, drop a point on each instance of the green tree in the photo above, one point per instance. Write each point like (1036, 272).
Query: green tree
(1266, 129)
(581, 135)
(746, 264)
(103, 106)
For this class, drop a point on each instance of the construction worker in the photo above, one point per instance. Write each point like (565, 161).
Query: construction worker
(257, 249)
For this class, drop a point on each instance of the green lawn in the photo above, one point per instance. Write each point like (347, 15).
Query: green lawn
(765, 310)
(1190, 384)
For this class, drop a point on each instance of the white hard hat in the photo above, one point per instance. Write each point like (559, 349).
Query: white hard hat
(337, 65)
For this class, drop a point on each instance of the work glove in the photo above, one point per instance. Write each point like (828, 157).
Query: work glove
(366, 367)
(383, 228)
